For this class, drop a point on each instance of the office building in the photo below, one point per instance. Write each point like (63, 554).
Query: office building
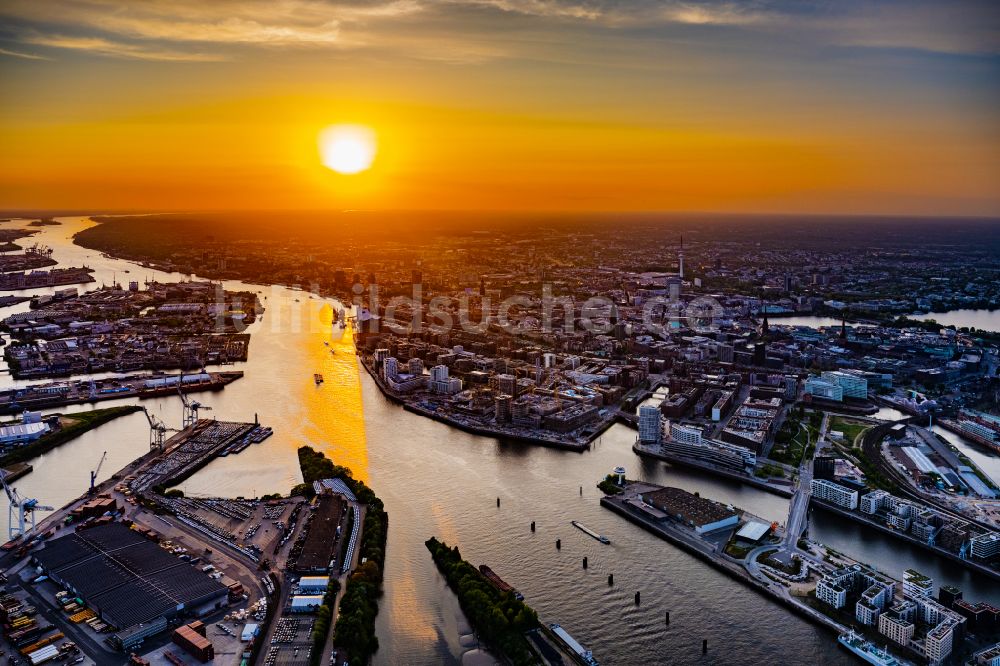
(834, 493)
(650, 425)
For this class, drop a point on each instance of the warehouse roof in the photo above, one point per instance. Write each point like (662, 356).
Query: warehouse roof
(123, 576)
(692, 509)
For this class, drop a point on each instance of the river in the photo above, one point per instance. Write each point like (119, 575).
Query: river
(438, 481)
(985, 320)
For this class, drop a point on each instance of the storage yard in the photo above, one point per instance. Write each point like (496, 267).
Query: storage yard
(189, 451)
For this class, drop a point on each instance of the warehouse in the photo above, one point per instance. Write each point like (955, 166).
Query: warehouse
(126, 579)
(702, 514)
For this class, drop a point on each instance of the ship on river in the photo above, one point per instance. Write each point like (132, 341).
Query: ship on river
(868, 651)
(589, 532)
(582, 653)
(499, 582)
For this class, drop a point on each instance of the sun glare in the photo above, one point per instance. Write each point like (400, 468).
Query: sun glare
(347, 149)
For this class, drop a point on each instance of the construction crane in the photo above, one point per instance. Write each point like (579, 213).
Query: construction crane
(157, 431)
(97, 470)
(23, 509)
(191, 408)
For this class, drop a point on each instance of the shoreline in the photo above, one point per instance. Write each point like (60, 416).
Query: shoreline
(730, 568)
(733, 476)
(485, 431)
(975, 567)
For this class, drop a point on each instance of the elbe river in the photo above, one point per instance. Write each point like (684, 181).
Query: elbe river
(437, 481)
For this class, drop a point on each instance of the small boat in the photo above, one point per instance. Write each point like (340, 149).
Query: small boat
(326, 343)
(586, 530)
(318, 378)
(333, 351)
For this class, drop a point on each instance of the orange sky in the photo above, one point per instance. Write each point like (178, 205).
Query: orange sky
(502, 104)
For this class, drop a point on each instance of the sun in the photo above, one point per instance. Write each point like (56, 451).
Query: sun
(347, 149)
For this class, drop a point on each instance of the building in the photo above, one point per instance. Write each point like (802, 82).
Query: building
(129, 581)
(22, 433)
(915, 584)
(306, 603)
(702, 514)
(988, 656)
(824, 467)
(823, 389)
(853, 386)
(313, 584)
(718, 454)
(685, 434)
(873, 591)
(507, 384)
(874, 501)
(650, 425)
(985, 546)
(831, 592)
(834, 493)
(502, 409)
(897, 623)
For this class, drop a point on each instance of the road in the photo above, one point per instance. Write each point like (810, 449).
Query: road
(798, 508)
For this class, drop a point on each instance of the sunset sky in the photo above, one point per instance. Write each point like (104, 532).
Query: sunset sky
(835, 106)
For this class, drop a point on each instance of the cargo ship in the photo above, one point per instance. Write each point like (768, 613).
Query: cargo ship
(570, 643)
(586, 530)
(83, 391)
(868, 651)
(499, 582)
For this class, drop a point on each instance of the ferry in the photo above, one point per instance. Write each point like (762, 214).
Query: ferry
(586, 530)
(581, 652)
(499, 582)
(868, 651)
(318, 378)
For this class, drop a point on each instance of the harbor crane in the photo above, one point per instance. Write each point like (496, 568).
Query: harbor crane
(191, 408)
(21, 511)
(97, 470)
(157, 431)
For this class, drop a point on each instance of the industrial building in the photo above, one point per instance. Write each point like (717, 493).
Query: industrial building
(702, 514)
(130, 582)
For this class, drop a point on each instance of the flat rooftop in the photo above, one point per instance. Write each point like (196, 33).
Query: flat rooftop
(691, 508)
(125, 577)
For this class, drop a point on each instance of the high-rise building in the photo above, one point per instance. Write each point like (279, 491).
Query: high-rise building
(507, 384)
(650, 429)
(824, 467)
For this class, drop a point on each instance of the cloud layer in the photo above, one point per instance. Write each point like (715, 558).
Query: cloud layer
(195, 30)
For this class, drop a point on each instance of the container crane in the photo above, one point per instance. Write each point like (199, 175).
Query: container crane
(25, 511)
(157, 431)
(191, 408)
(97, 470)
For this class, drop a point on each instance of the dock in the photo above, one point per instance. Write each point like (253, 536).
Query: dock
(58, 394)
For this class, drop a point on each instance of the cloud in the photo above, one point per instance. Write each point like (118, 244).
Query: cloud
(203, 29)
(26, 56)
(106, 47)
